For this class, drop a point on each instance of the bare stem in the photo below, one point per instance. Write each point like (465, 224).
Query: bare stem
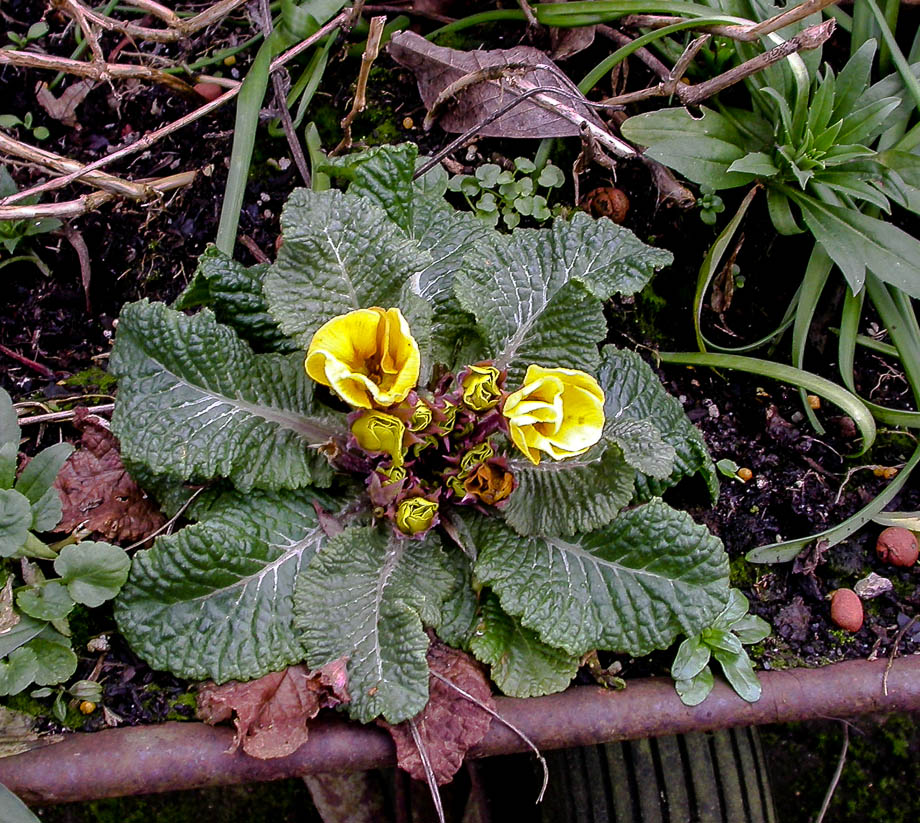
(371, 50)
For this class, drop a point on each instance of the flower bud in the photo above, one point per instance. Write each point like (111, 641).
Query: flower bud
(378, 432)
(421, 417)
(474, 457)
(491, 483)
(416, 515)
(480, 387)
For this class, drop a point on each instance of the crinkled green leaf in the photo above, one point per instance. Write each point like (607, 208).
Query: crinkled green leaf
(691, 658)
(562, 497)
(366, 596)
(92, 572)
(643, 446)
(194, 401)
(340, 253)
(531, 291)
(56, 661)
(15, 521)
(632, 586)
(521, 664)
(740, 673)
(39, 474)
(234, 293)
(47, 602)
(383, 175)
(460, 610)
(9, 421)
(46, 511)
(694, 691)
(214, 600)
(633, 392)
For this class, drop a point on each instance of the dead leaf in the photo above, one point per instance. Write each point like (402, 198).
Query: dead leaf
(568, 42)
(271, 713)
(17, 733)
(450, 724)
(463, 89)
(8, 615)
(64, 108)
(811, 557)
(96, 491)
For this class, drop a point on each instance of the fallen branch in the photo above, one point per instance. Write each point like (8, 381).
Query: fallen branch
(91, 202)
(145, 142)
(44, 371)
(95, 70)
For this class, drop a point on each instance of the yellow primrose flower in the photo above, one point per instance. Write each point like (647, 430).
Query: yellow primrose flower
(367, 357)
(480, 388)
(557, 411)
(377, 431)
(415, 515)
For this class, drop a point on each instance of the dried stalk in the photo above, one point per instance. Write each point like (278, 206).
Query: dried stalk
(76, 11)
(99, 71)
(145, 142)
(805, 40)
(746, 33)
(177, 30)
(371, 50)
(91, 202)
(61, 416)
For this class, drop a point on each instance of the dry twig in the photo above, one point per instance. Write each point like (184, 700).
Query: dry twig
(360, 102)
(837, 772)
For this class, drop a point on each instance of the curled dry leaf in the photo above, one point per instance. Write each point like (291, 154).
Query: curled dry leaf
(463, 89)
(271, 713)
(450, 724)
(97, 493)
(64, 108)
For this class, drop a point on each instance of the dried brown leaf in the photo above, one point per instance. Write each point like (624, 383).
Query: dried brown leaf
(271, 713)
(568, 42)
(437, 67)
(450, 724)
(64, 108)
(8, 615)
(96, 491)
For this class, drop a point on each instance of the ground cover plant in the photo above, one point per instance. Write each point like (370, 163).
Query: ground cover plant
(433, 490)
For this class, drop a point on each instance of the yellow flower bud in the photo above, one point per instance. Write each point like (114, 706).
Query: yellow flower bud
(556, 411)
(421, 417)
(367, 357)
(380, 432)
(415, 515)
(474, 457)
(393, 474)
(480, 388)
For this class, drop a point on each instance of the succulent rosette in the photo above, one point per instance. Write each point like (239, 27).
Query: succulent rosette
(409, 425)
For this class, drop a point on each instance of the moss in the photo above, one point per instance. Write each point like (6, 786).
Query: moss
(183, 707)
(743, 575)
(92, 378)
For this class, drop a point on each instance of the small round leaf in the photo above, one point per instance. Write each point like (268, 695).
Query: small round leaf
(93, 572)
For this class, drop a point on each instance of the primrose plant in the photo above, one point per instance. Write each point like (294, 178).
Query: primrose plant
(406, 428)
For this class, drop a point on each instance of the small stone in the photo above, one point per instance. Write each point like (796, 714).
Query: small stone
(209, 91)
(814, 402)
(898, 547)
(872, 586)
(847, 610)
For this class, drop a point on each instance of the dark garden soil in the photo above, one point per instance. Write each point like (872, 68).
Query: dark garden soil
(56, 336)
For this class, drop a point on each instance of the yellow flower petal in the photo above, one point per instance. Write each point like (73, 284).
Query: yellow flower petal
(368, 357)
(559, 412)
(415, 515)
(378, 432)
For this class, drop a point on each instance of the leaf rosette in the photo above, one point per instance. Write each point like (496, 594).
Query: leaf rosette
(449, 449)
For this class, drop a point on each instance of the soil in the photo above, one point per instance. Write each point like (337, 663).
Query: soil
(59, 334)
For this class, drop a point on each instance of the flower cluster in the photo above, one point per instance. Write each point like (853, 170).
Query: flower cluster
(420, 448)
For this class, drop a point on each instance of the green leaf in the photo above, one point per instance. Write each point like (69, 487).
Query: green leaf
(740, 673)
(39, 474)
(15, 521)
(18, 670)
(562, 497)
(751, 629)
(194, 401)
(92, 572)
(757, 163)
(20, 634)
(460, 610)
(853, 79)
(9, 455)
(46, 511)
(9, 421)
(13, 810)
(736, 608)
(56, 661)
(856, 242)
(234, 293)
(340, 253)
(521, 664)
(214, 600)
(867, 122)
(643, 446)
(701, 149)
(691, 658)
(721, 640)
(694, 691)
(632, 391)
(631, 586)
(366, 596)
(47, 602)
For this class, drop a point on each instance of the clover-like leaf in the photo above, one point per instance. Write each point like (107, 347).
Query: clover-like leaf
(15, 521)
(562, 497)
(194, 401)
(633, 392)
(39, 474)
(214, 600)
(9, 420)
(56, 661)
(92, 572)
(521, 664)
(632, 586)
(366, 597)
(18, 671)
(46, 602)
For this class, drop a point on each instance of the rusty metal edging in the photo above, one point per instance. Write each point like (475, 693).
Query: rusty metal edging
(178, 756)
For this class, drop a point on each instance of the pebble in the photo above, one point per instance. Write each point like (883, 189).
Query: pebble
(872, 586)
(847, 610)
